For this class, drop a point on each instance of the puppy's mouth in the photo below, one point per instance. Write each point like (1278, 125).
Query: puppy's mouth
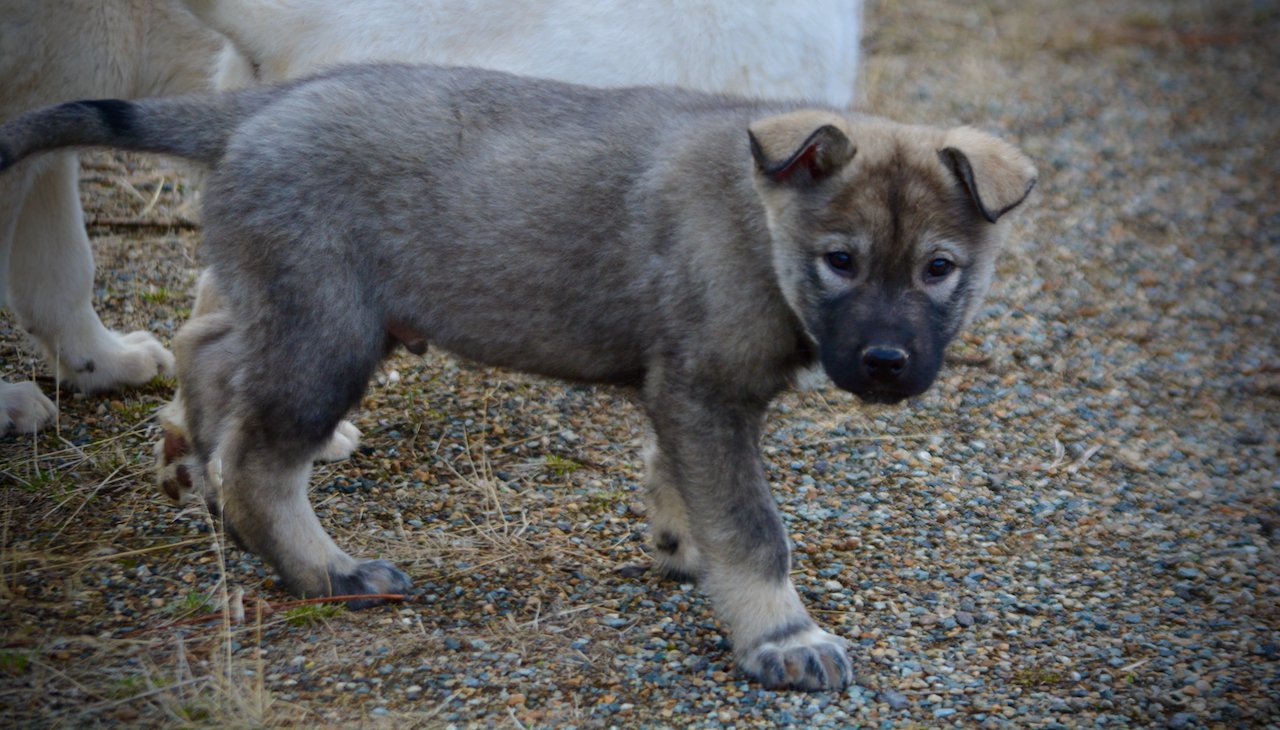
(885, 394)
(880, 396)
(873, 393)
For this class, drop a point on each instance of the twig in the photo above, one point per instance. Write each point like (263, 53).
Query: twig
(152, 224)
(567, 612)
(883, 437)
(1135, 665)
(154, 198)
(57, 506)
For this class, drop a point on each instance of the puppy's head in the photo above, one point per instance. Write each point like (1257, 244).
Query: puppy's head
(884, 237)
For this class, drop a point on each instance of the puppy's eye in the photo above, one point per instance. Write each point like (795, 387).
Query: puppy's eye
(939, 268)
(841, 262)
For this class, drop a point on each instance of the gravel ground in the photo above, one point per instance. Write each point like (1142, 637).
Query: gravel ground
(1076, 527)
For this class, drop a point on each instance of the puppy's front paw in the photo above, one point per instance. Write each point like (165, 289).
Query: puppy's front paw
(810, 659)
(131, 359)
(370, 577)
(23, 408)
(345, 439)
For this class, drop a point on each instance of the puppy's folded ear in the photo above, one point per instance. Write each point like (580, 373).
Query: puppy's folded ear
(800, 148)
(995, 174)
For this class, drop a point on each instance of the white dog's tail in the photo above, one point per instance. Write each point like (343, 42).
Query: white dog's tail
(194, 127)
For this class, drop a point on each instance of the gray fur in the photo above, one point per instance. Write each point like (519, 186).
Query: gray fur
(194, 127)
(639, 237)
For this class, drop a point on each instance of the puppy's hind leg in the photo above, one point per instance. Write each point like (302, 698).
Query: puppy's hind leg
(343, 443)
(265, 508)
(284, 409)
(199, 345)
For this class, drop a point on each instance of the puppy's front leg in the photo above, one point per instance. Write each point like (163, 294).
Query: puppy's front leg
(709, 449)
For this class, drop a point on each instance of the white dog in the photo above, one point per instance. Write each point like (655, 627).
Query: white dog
(771, 49)
(57, 50)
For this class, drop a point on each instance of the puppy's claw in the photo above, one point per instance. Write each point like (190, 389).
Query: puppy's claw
(370, 577)
(812, 661)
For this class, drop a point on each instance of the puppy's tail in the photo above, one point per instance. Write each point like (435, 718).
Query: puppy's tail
(194, 127)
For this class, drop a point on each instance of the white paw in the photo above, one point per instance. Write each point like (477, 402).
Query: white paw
(807, 658)
(23, 408)
(811, 379)
(132, 359)
(177, 473)
(343, 443)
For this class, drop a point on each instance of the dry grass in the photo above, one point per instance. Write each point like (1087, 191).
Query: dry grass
(84, 512)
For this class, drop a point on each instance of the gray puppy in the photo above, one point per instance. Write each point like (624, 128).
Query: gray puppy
(698, 249)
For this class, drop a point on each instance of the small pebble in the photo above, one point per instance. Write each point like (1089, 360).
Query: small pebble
(896, 699)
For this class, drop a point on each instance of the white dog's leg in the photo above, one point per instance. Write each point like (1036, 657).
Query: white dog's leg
(51, 287)
(23, 408)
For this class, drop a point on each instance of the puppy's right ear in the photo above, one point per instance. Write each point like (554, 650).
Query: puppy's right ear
(801, 148)
(995, 174)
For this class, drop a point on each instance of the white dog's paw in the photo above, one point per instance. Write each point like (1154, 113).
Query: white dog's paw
(131, 359)
(23, 408)
(807, 659)
(343, 443)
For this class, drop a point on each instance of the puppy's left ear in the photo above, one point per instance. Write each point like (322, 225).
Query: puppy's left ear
(801, 148)
(995, 174)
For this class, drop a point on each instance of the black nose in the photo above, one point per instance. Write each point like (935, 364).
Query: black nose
(884, 364)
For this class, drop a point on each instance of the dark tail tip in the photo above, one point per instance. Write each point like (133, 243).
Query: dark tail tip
(74, 123)
(116, 115)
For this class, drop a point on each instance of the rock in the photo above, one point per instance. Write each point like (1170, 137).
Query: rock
(895, 699)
